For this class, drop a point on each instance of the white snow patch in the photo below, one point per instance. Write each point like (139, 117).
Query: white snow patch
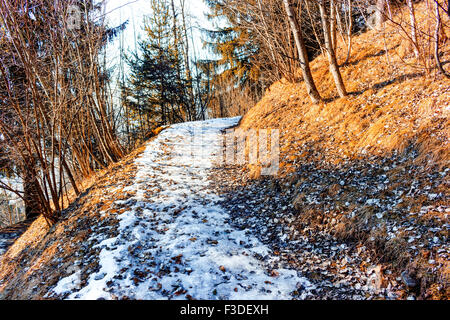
(177, 238)
(68, 284)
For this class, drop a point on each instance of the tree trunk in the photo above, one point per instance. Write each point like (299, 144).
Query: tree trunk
(436, 44)
(380, 14)
(349, 31)
(31, 195)
(71, 177)
(334, 68)
(187, 64)
(333, 24)
(412, 17)
(303, 54)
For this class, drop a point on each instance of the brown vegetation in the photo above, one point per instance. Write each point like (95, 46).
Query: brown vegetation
(390, 106)
(42, 250)
(394, 123)
(56, 121)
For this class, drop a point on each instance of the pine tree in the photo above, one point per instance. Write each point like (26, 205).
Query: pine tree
(238, 65)
(155, 88)
(234, 45)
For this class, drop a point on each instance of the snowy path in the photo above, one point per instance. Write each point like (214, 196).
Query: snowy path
(175, 241)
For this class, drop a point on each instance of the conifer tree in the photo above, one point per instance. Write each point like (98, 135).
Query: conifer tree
(234, 45)
(154, 85)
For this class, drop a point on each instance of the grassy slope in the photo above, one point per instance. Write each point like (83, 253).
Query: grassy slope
(391, 105)
(391, 109)
(395, 118)
(42, 256)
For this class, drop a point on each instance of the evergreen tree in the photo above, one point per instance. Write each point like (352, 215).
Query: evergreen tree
(238, 66)
(155, 90)
(234, 45)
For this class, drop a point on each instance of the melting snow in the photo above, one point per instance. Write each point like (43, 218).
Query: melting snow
(175, 241)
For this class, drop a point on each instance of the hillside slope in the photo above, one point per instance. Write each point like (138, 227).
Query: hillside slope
(359, 208)
(151, 228)
(372, 167)
(174, 223)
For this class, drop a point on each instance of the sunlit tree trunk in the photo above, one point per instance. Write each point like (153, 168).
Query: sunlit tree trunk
(333, 64)
(437, 40)
(380, 17)
(349, 30)
(303, 54)
(333, 21)
(412, 18)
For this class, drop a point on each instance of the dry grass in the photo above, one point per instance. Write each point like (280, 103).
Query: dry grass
(391, 106)
(394, 108)
(35, 257)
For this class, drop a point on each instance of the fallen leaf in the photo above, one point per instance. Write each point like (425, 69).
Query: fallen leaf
(274, 273)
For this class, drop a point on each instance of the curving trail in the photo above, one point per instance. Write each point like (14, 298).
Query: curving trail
(175, 241)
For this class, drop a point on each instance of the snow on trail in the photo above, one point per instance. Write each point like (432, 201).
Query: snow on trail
(175, 242)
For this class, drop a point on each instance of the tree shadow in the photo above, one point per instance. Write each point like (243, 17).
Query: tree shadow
(9, 234)
(383, 84)
(367, 56)
(379, 85)
(366, 197)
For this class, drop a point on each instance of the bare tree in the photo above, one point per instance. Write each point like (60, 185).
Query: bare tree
(349, 28)
(437, 38)
(412, 17)
(303, 54)
(380, 14)
(333, 24)
(55, 116)
(187, 65)
(327, 24)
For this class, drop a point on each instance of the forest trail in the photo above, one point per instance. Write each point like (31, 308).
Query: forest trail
(171, 221)
(174, 240)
